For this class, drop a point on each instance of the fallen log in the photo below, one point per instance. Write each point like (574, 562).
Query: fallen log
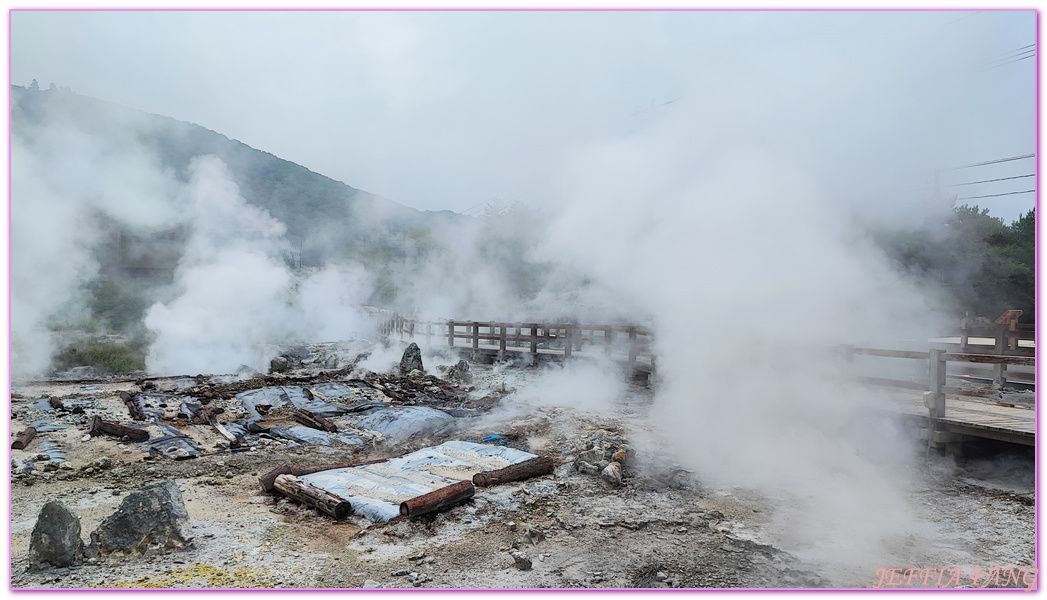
(310, 495)
(98, 425)
(307, 418)
(56, 403)
(267, 480)
(132, 406)
(23, 438)
(540, 465)
(234, 442)
(426, 503)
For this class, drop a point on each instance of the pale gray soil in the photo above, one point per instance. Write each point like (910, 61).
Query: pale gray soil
(662, 528)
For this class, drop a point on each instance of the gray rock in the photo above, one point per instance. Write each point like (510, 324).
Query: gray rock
(102, 462)
(279, 364)
(411, 360)
(331, 362)
(612, 474)
(460, 372)
(371, 583)
(68, 466)
(521, 561)
(153, 517)
(55, 541)
(587, 468)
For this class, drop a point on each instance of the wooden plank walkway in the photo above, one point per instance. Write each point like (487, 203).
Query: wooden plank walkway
(976, 418)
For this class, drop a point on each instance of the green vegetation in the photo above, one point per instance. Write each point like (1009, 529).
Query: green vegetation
(106, 357)
(986, 266)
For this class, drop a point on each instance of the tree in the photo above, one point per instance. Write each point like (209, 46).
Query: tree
(34, 86)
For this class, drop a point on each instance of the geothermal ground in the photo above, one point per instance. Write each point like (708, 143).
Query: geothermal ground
(662, 526)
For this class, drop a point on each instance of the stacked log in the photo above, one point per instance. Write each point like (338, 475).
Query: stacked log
(23, 438)
(98, 425)
(308, 419)
(445, 496)
(310, 495)
(540, 465)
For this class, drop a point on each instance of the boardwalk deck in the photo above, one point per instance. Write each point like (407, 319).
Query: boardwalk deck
(977, 418)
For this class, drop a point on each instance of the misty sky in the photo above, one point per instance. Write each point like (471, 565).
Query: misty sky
(448, 110)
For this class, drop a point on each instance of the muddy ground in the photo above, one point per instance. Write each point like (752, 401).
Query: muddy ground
(663, 527)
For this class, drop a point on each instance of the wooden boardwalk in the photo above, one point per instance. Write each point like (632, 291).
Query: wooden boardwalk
(952, 415)
(949, 415)
(975, 418)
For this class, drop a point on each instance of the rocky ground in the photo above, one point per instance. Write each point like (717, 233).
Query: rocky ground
(659, 527)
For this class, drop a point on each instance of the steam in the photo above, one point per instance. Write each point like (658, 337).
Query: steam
(236, 301)
(69, 189)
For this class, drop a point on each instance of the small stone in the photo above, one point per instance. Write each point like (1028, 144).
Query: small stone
(86, 438)
(279, 364)
(102, 462)
(612, 473)
(42, 457)
(228, 474)
(116, 492)
(66, 465)
(511, 525)
(371, 583)
(521, 561)
(662, 576)
(400, 572)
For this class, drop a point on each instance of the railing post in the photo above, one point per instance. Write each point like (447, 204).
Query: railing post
(568, 341)
(936, 372)
(428, 333)
(999, 371)
(964, 336)
(608, 339)
(534, 344)
(410, 330)
(476, 339)
(501, 342)
(633, 347)
(450, 333)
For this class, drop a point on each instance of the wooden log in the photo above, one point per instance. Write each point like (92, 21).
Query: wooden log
(308, 419)
(132, 407)
(541, 465)
(56, 403)
(23, 438)
(98, 425)
(234, 442)
(445, 496)
(310, 495)
(267, 480)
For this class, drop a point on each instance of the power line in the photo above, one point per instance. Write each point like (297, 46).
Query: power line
(991, 180)
(1021, 50)
(991, 162)
(995, 195)
(1010, 61)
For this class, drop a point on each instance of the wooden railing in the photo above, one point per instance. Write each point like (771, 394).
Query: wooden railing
(533, 338)
(935, 388)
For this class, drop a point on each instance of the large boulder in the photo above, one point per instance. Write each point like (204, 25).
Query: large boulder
(152, 518)
(56, 538)
(412, 359)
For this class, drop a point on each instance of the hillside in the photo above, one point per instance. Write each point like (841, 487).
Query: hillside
(326, 215)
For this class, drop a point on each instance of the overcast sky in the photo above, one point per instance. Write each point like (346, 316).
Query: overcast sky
(448, 110)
